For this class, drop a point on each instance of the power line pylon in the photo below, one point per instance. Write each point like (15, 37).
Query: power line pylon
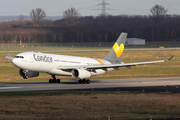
(103, 13)
(104, 8)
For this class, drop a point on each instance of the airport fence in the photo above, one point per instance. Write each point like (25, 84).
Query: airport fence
(94, 44)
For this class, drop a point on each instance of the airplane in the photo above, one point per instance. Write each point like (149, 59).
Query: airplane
(82, 68)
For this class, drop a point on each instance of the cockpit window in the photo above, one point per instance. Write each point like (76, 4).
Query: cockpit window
(19, 57)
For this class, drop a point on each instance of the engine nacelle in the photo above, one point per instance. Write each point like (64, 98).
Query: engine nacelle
(80, 74)
(28, 74)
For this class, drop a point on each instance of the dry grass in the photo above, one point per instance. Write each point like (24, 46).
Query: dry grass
(119, 105)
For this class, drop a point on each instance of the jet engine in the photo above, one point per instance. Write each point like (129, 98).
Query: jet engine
(28, 74)
(80, 73)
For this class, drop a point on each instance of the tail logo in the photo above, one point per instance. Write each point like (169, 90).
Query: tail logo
(118, 49)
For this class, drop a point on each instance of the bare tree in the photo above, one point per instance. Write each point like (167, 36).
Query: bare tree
(29, 38)
(158, 13)
(54, 37)
(37, 15)
(21, 17)
(15, 39)
(71, 15)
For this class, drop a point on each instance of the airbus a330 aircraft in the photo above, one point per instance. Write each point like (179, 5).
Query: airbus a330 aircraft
(82, 68)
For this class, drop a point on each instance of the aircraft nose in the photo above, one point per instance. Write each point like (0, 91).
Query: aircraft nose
(20, 63)
(15, 62)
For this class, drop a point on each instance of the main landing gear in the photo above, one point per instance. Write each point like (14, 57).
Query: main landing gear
(81, 81)
(54, 80)
(84, 81)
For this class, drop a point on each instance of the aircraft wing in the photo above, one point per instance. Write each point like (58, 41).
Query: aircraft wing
(113, 65)
(8, 56)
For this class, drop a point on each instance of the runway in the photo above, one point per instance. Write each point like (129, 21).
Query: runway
(171, 84)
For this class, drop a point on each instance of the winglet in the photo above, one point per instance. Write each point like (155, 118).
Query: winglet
(7, 53)
(169, 58)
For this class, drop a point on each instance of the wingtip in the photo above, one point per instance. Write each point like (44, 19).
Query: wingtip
(7, 52)
(170, 58)
(8, 56)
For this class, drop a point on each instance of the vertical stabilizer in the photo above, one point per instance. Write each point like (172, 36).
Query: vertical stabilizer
(117, 50)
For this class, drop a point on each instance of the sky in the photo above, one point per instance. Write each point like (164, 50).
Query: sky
(86, 7)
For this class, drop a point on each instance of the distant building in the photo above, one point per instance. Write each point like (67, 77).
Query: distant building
(135, 41)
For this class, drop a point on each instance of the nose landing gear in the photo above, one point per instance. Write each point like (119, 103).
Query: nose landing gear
(25, 74)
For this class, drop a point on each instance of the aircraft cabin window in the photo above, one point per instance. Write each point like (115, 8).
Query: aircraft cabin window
(19, 57)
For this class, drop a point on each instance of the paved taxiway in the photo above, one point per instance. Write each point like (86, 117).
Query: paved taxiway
(135, 84)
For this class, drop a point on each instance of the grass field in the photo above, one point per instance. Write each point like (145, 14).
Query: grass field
(50, 105)
(30, 48)
(10, 73)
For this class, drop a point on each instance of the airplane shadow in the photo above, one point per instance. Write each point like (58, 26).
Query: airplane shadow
(77, 82)
(62, 82)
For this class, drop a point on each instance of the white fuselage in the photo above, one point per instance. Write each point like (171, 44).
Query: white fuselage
(51, 63)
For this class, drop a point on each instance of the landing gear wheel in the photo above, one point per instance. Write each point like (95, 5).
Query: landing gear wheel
(88, 81)
(50, 80)
(25, 77)
(54, 81)
(80, 81)
(84, 81)
(58, 81)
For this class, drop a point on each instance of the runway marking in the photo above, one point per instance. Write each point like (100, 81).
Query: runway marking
(175, 83)
(9, 87)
